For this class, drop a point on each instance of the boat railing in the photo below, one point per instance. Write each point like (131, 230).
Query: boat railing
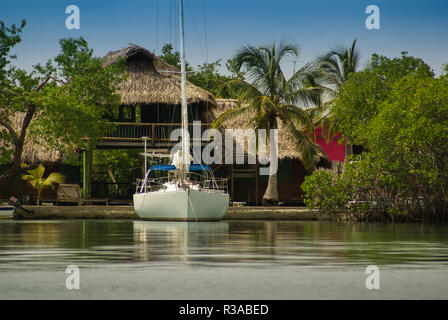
(193, 180)
(152, 184)
(216, 184)
(209, 183)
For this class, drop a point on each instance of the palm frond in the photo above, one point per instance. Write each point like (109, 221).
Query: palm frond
(263, 65)
(310, 153)
(338, 64)
(35, 174)
(299, 117)
(228, 115)
(303, 88)
(244, 90)
(53, 178)
(36, 180)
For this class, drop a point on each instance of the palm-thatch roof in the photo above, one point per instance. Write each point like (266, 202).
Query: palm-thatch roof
(35, 151)
(151, 80)
(286, 140)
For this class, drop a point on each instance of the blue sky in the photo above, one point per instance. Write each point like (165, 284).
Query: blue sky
(417, 26)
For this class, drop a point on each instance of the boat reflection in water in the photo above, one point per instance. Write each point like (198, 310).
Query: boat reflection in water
(170, 242)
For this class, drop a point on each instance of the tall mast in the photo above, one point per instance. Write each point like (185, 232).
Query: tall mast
(184, 110)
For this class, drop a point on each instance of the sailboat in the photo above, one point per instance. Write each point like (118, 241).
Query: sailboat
(188, 191)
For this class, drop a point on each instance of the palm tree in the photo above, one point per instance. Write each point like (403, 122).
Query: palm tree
(334, 69)
(337, 65)
(268, 98)
(36, 180)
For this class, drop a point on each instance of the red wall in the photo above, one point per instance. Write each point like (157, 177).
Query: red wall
(334, 150)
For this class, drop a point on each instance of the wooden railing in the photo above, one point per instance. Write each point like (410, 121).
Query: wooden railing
(132, 131)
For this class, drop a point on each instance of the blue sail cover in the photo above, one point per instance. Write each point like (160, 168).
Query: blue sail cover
(167, 167)
(199, 167)
(162, 168)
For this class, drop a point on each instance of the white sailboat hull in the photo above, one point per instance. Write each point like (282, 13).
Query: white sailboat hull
(184, 204)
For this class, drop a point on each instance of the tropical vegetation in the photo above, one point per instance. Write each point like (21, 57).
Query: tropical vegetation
(398, 111)
(35, 179)
(60, 105)
(334, 69)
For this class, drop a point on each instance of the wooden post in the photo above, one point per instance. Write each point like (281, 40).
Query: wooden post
(89, 175)
(153, 133)
(233, 193)
(85, 169)
(257, 166)
(86, 173)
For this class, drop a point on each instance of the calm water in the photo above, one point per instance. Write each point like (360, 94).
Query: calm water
(222, 260)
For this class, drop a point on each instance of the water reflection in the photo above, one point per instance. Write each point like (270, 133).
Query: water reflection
(261, 244)
(176, 241)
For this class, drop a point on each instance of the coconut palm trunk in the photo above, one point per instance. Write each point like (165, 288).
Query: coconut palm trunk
(270, 196)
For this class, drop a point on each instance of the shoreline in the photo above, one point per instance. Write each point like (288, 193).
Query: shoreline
(127, 212)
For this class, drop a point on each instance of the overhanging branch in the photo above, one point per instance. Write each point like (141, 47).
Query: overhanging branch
(10, 129)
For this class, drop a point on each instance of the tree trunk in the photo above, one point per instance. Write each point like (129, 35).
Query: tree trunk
(19, 141)
(270, 196)
(14, 170)
(348, 153)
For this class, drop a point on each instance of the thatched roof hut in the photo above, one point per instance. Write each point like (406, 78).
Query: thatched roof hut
(285, 138)
(153, 81)
(38, 153)
(148, 85)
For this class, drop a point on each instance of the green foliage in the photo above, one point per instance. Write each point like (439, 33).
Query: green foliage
(205, 76)
(9, 37)
(170, 57)
(63, 102)
(399, 112)
(35, 178)
(361, 97)
(365, 192)
(75, 106)
(235, 71)
(445, 72)
(125, 165)
(327, 192)
(397, 68)
(336, 66)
